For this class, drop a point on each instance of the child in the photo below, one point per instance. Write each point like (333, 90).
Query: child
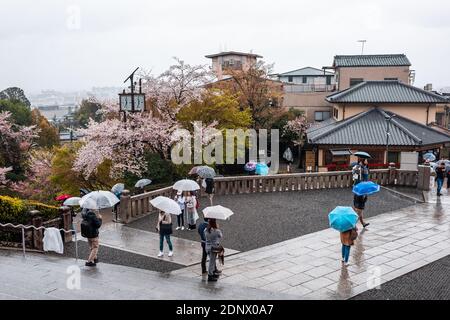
(180, 199)
(359, 203)
(347, 240)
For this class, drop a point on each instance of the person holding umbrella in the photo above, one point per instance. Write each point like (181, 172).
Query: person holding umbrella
(181, 200)
(92, 221)
(359, 203)
(213, 236)
(440, 174)
(361, 191)
(344, 219)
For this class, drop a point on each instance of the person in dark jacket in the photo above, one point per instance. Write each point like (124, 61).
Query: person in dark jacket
(90, 225)
(359, 204)
(440, 174)
(210, 189)
(201, 230)
(448, 180)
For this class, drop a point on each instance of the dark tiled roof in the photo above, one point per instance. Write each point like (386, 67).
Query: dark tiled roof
(385, 92)
(369, 128)
(227, 53)
(376, 60)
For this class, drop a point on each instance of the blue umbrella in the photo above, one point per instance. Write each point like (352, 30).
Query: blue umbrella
(429, 156)
(342, 218)
(362, 154)
(366, 188)
(262, 169)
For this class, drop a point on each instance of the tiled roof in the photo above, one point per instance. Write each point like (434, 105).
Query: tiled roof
(227, 53)
(369, 128)
(385, 92)
(376, 60)
(307, 71)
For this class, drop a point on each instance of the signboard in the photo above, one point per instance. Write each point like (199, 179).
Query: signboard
(409, 160)
(125, 100)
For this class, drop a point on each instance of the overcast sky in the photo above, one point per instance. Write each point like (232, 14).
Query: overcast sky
(74, 45)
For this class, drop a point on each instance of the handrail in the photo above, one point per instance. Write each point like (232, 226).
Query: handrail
(23, 227)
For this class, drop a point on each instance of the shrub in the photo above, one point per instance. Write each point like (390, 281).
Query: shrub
(13, 210)
(16, 211)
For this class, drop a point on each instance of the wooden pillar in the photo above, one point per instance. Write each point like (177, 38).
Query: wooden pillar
(66, 216)
(125, 206)
(38, 235)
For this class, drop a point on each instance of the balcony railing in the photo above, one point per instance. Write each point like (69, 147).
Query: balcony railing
(301, 88)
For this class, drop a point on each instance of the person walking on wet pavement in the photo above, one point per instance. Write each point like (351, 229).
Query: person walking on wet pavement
(89, 229)
(440, 174)
(347, 239)
(181, 200)
(164, 227)
(213, 236)
(209, 189)
(359, 203)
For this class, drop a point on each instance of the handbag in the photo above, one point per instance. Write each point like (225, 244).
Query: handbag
(354, 234)
(165, 228)
(217, 249)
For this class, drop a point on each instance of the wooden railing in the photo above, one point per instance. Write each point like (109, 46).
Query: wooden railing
(136, 206)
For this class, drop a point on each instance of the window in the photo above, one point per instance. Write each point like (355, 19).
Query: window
(394, 157)
(390, 79)
(290, 78)
(335, 113)
(321, 115)
(355, 81)
(304, 79)
(328, 80)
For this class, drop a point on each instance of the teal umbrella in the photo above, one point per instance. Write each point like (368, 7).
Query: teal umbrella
(342, 218)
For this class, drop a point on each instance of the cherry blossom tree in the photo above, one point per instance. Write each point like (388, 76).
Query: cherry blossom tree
(295, 131)
(3, 172)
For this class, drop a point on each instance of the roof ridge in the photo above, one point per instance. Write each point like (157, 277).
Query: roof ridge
(420, 90)
(400, 126)
(344, 92)
(344, 123)
(371, 55)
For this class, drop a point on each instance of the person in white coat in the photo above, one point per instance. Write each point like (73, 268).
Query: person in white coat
(191, 208)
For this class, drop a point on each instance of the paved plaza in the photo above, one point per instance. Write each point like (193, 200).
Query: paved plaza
(397, 245)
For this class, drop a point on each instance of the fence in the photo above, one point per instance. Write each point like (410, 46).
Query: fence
(134, 207)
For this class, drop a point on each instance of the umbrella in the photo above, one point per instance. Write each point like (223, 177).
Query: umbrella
(288, 155)
(72, 202)
(250, 166)
(186, 185)
(217, 212)
(206, 172)
(99, 200)
(366, 188)
(193, 170)
(166, 204)
(63, 197)
(262, 169)
(118, 188)
(142, 183)
(447, 164)
(342, 218)
(429, 156)
(362, 154)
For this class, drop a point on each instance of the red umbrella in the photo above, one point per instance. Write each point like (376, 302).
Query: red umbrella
(63, 197)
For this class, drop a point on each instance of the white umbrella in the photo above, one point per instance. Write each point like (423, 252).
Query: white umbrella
(118, 188)
(99, 200)
(166, 204)
(142, 183)
(186, 185)
(71, 202)
(288, 155)
(217, 212)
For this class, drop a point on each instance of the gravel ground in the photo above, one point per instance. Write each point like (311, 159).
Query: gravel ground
(124, 258)
(265, 219)
(431, 282)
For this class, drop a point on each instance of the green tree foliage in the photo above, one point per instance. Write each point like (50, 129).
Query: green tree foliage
(215, 105)
(88, 110)
(20, 113)
(48, 134)
(15, 94)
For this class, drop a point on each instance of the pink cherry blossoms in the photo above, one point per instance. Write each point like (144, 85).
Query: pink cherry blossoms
(296, 129)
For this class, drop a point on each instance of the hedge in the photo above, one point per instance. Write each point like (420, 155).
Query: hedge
(16, 211)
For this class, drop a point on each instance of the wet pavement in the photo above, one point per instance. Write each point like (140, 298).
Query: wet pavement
(395, 244)
(145, 243)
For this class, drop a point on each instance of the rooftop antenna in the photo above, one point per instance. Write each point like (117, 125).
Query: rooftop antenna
(363, 42)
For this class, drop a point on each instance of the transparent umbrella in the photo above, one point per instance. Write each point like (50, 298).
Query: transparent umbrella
(72, 202)
(118, 188)
(186, 185)
(206, 172)
(99, 200)
(217, 212)
(166, 204)
(142, 183)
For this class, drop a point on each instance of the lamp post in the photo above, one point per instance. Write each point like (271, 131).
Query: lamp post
(388, 133)
(131, 102)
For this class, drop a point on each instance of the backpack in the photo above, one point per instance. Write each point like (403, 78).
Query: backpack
(87, 230)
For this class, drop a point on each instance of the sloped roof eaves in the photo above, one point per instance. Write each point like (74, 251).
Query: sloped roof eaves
(307, 71)
(385, 92)
(382, 60)
(370, 129)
